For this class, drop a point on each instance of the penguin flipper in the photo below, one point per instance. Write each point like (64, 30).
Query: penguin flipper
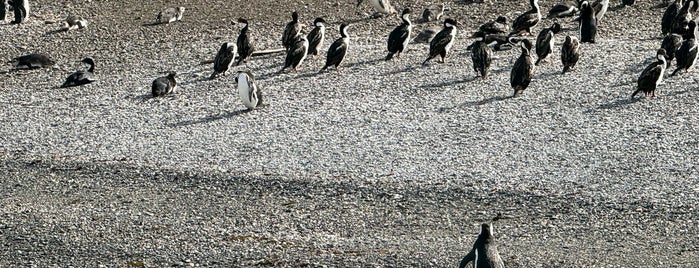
(471, 256)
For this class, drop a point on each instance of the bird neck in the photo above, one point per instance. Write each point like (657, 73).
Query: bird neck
(535, 5)
(92, 68)
(406, 19)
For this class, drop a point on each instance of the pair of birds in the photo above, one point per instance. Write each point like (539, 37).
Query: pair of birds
(243, 48)
(248, 90)
(35, 61)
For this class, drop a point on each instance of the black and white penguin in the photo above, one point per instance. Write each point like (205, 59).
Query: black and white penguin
(427, 34)
(525, 22)
(338, 49)
(671, 43)
(291, 31)
(381, 7)
(523, 70)
(481, 56)
(687, 53)
(545, 42)
(669, 16)
(74, 22)
(484, 253)
(400, 36)
(164, 85)
(31, 61)
(80, 78)
(680, 24)
(296, 53)
(247, 90)
(588, 23)
(652, 75)
(21, 10)
(316, 37)
(244, 42)
(570, 53)
(563, 9)
(497, 26)
(433, 12)
(224, 58)
(442, 42)
(170, 14)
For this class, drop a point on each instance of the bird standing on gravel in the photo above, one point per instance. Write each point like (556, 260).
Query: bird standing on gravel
(164, 85)
(671, 43)
(296, 53)
(338, 49)
(687, 53)
(563, 9)
(588, 23)
(442, 42)
(481, 56)
(170, 14)
(80, 78)
(381, 7)
(680, 24)
(291, 31)
(570, 53)
(545, 42)
(400, 36)
(669, 16)
(21, 11)
(224, 58)
(484, 253)
(523, 70)
(316, 37)
(652, 75)
(247, 90)
(31, 61)
(244, 42)
(527, 20)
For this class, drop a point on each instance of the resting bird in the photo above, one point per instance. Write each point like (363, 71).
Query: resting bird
(31, 61)
(244, 42)
(224, 59)
(497, 26)
(80, 78)
(545, 42)
(291, 31)
(525, 22)
(671, 43)
(484, 253)
(247, 90)
(523, 70)
(687, 53)
(316, 37)
(164, 85)
(400, 36)
(563, 9)
(296, 53)
(499, 42)
(600, 7)
(481, 56)
(570, 53)
(652, 76)
(442, 42)
(170, 14)
(381, 7)
(433, 12)
(75, 22)
(338, 49)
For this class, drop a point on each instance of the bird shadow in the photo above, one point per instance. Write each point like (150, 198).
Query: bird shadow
(52, 32)
(615, 104)
(450, 83)
(200, 79)
(406, 69)
(152, 24)
(682, 92)
(364, 62)
(476, 103)
(209, 118)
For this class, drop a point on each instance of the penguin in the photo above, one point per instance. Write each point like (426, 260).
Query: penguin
(563, 9)
(652, 75)
(525, 22)
(170, 14)
(224, 58)
(545, 42)
(600, 7)
(247, 90)
(296, 53)
(21, 10)
(244, 42)
(400, 36)
(481, 56)
(484, 253)
(570, 53)
(671, 43)
(426, 35)
(316, 37)
(291, 31)
(80, 78)
(687, 53)
(74, 22)
(338, 49)
(443, 41)
(497, 26)
(669, 15)
(523, 70)
(164, 85)
(588, 23)
(433, 12)
(680, 24)
(381, 7)
(31, 61)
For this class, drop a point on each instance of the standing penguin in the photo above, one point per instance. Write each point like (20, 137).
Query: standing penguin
(400, 36)
(80, 78)
(652, 75)
(687, 53)
(247, 90)
(164, 85)
(669, 15)
(588, 23)
(338, 49)
(442, 42)
(545, 42)
(224, 59)
(316, 37)
(292, 29)
(671, 43)
(523, 70)
(481, 55)
(244, 42)
(21, 10)
(296, 53)
(570, 53)
(527, 20)
(484, 253)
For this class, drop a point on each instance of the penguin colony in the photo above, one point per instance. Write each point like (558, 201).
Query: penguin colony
(677, 26)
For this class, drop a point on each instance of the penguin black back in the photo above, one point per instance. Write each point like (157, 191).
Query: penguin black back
(484, 253)
(671, 43)
(296, 53)
(292, 29)
(588, 23)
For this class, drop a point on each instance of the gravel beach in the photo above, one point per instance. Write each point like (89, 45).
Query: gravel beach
(380, 164)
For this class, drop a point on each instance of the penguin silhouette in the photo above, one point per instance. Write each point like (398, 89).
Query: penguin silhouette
(484, 253)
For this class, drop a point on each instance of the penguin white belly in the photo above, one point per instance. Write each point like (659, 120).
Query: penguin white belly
(247, 92)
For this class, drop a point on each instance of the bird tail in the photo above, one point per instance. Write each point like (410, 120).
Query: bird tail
(213, 75)
(635, 92)
(537, 62)
(565, 69)
(676, 71)
(389, 56)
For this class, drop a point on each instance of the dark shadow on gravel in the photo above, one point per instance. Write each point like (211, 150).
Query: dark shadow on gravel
(364, 62)
(477, 103)
(450, 83)
(209, 118)
(614, 104)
